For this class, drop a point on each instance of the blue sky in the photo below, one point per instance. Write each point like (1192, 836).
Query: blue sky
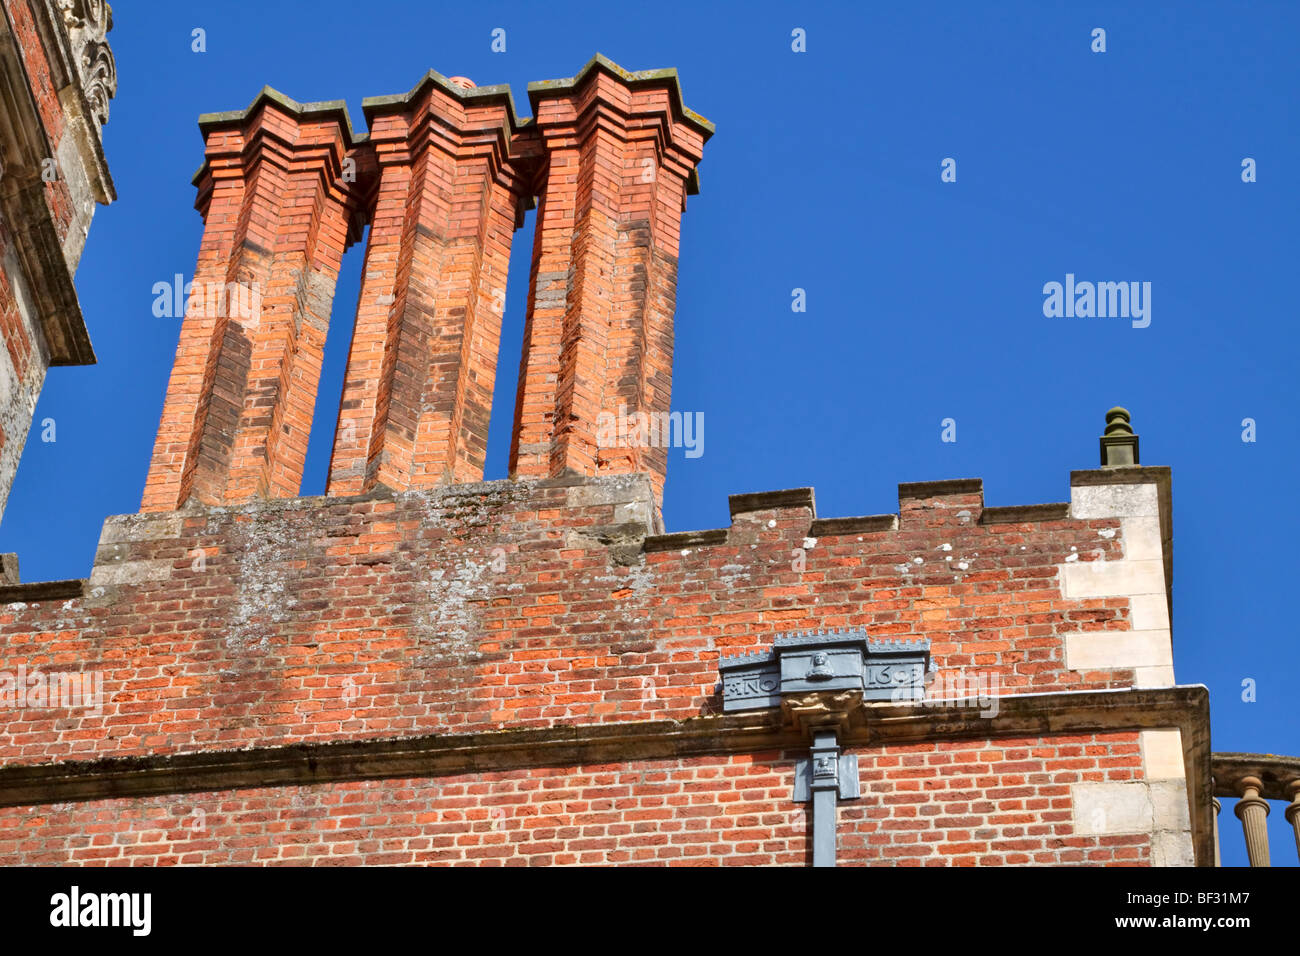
(924, 298)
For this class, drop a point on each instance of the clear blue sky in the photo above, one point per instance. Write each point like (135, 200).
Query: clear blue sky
(924, 299)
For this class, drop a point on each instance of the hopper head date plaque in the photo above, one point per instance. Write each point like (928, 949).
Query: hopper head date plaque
(824, 661)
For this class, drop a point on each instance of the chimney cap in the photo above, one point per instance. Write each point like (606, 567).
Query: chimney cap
(663, 77)
(461, 87)
(269, 94)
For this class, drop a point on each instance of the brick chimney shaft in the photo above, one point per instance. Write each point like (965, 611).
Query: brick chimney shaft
(620, 154)
(277, 217)
(417, 394)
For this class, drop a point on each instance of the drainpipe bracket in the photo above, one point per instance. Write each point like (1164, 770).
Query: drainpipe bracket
(846, 782)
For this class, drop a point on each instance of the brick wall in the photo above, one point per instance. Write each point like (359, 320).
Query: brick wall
(511, 605)
(986, 802)
(24, 361)
(484, 606)
(1004, 801)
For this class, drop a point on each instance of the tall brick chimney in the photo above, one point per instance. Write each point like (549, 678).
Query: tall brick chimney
(278, 213)
(443, 178)
(620, 151)
(417, 395)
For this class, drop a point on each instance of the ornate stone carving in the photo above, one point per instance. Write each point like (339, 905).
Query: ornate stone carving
(823, 710)
(88, 23)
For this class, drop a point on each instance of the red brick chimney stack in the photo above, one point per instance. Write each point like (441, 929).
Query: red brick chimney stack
(443, 179)
(620, 157)
(417, 395)
(278, 214)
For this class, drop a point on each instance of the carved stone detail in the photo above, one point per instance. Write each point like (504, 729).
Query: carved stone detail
(824, 710)
(88, 23)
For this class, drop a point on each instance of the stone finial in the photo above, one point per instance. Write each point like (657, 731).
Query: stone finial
(1119, 445)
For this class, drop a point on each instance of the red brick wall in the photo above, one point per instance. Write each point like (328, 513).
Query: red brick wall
(997, 802)
(402, 599)
(975, 802)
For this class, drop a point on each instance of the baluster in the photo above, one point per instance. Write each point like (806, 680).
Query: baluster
(1252, 811)
(1293, 811)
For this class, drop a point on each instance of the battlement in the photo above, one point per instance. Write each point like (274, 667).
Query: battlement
(530, 603)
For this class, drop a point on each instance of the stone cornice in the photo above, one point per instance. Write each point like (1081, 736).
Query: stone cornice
(83, 71)
(47, 260)
(82, 27)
